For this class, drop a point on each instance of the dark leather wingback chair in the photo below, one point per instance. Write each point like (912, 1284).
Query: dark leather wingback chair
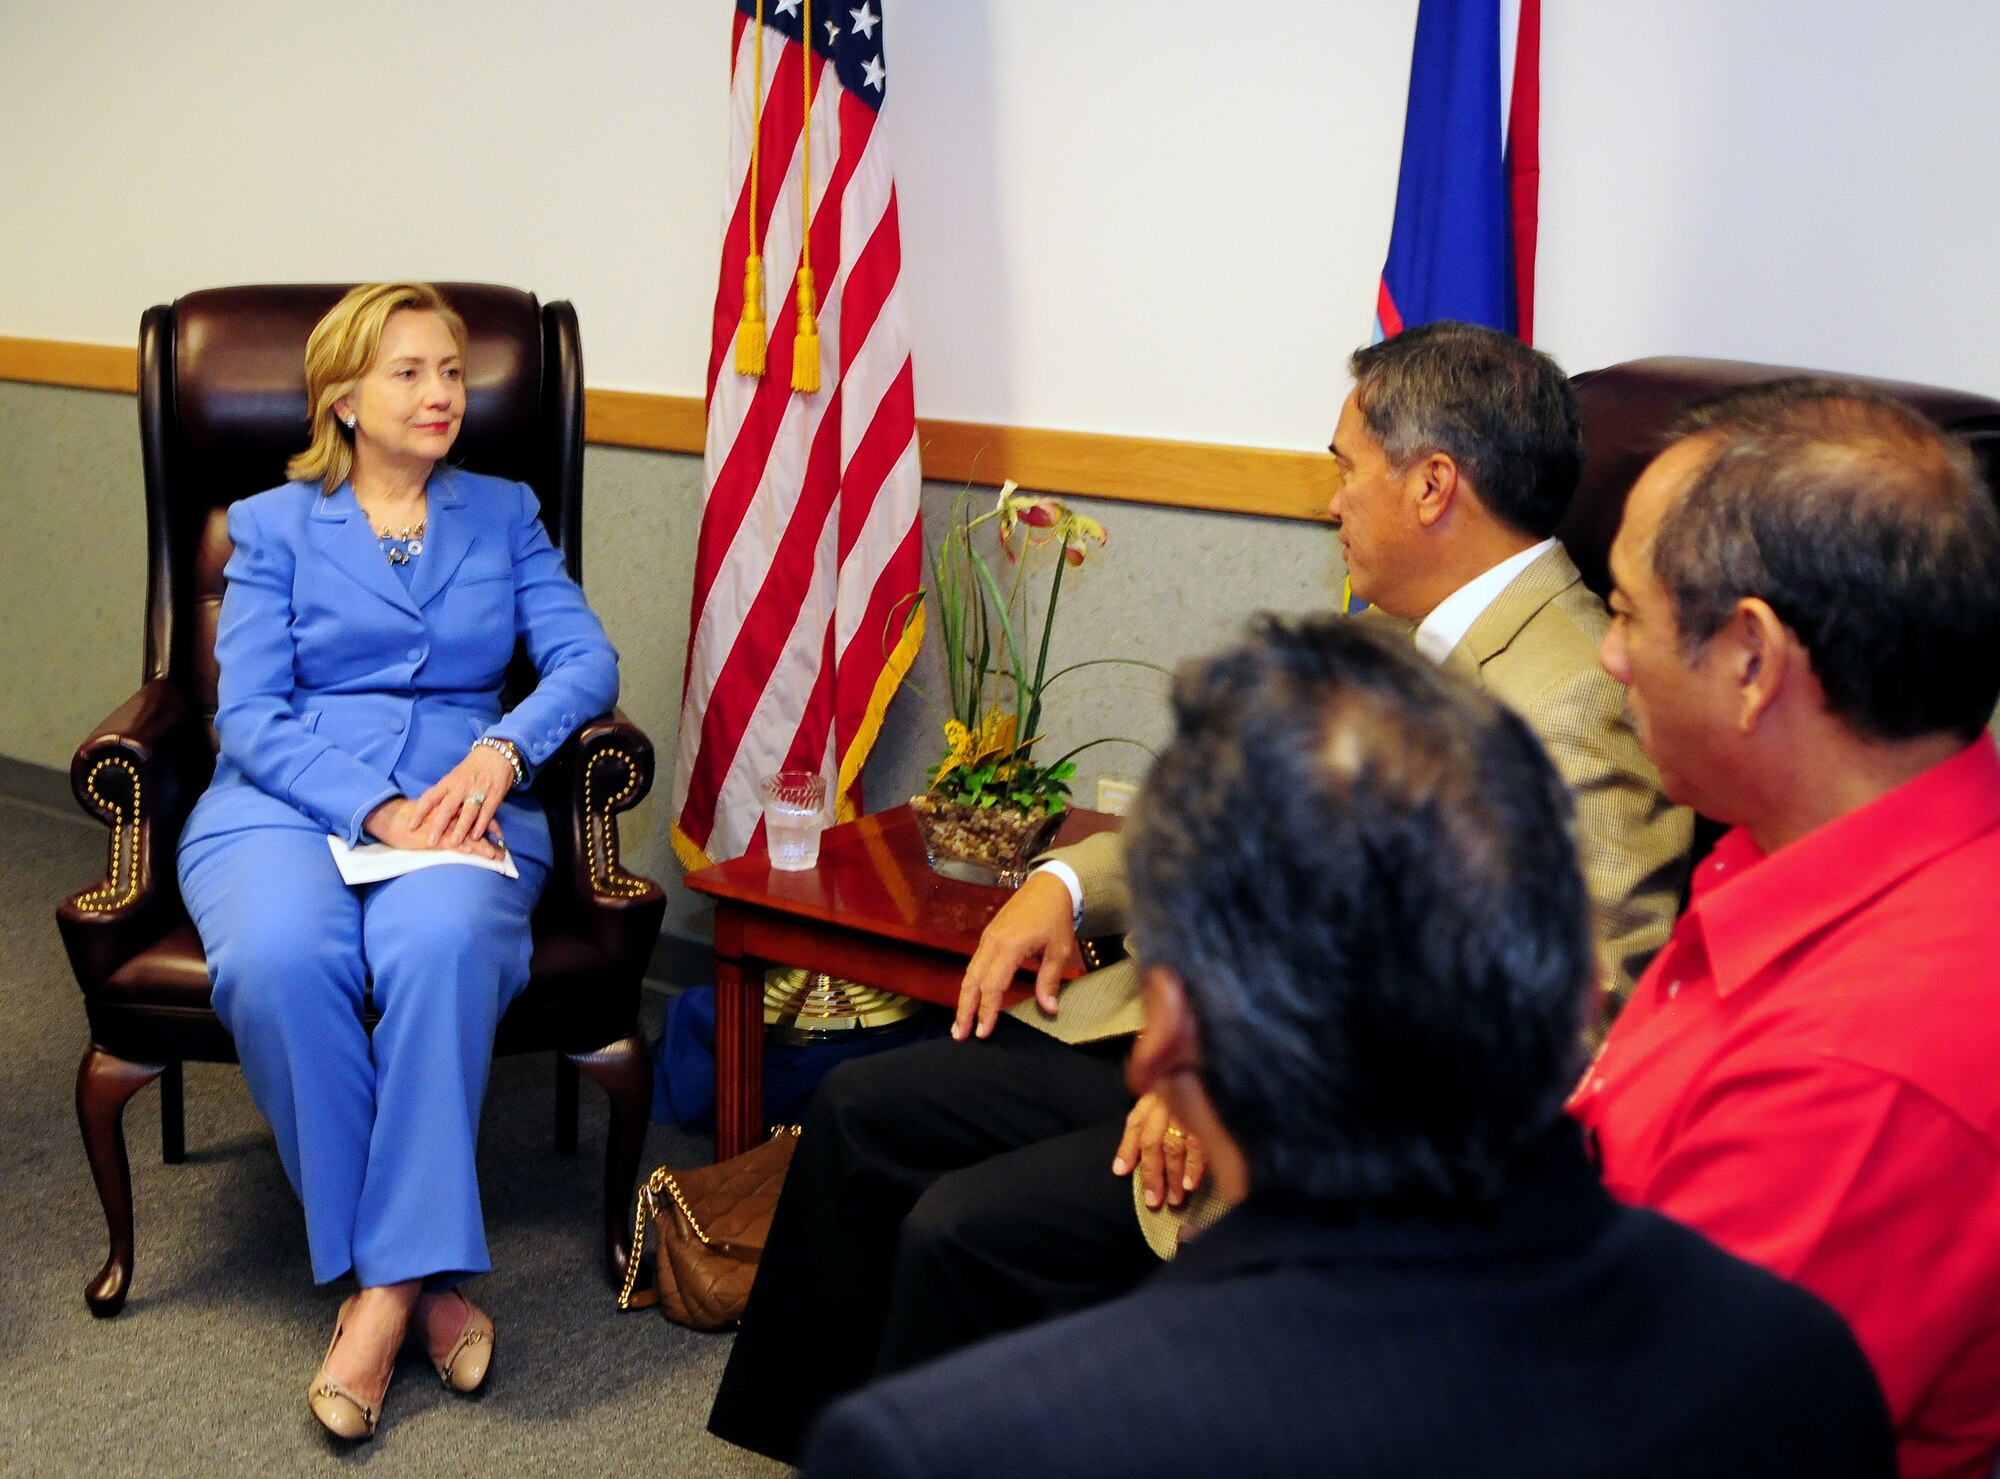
(221, 406)
(1627, 408)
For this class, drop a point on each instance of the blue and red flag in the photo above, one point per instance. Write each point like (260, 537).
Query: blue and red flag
(1463, 245)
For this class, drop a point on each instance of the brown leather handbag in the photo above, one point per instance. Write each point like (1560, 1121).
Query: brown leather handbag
(712, 1225)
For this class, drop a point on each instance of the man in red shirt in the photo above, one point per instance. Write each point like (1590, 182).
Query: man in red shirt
(1807, 621)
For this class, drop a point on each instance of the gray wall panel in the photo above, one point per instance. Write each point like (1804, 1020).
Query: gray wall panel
(1170, 583)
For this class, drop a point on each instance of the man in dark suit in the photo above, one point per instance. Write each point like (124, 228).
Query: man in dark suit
(1365, 947)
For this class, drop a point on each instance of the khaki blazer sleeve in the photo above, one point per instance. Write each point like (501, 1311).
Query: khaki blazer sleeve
(1099, 861)
(1104, 1003)
(1633, 842)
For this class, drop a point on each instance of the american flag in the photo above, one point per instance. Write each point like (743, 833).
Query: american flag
(810, 548)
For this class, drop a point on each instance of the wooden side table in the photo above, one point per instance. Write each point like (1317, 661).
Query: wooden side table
(872, 911)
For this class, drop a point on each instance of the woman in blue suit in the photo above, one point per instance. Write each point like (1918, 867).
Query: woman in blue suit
(373, 605)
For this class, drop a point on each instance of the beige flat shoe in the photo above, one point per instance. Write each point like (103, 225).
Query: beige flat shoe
(464, 1366)
(343, 1413)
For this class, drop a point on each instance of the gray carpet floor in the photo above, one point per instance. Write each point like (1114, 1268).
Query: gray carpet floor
(205, 1371)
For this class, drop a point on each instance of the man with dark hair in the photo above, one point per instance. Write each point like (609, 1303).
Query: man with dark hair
(1366, 952)
(1504, 414)
(1807, 619)
(1458, 451)
(950, 1190)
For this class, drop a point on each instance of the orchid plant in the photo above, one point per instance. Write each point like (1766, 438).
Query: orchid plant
(996, 664)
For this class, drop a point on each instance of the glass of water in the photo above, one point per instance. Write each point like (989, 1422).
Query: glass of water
(794, 814)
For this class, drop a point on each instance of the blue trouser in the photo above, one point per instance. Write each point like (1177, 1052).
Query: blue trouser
(377, 1133)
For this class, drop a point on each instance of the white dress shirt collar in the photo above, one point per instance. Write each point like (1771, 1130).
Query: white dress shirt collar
(1453, 617)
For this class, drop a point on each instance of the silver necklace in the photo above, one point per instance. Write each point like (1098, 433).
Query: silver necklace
(401, 545)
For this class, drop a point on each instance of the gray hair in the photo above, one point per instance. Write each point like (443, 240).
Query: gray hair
(1503, 412)
(1363, 870)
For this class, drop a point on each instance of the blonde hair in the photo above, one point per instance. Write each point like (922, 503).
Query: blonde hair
(342, 347)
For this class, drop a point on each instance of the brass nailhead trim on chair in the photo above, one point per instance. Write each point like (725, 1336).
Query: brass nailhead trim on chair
(601, 830)
(107, 896)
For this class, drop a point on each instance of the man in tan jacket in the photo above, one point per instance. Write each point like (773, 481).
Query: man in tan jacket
(954, 1189)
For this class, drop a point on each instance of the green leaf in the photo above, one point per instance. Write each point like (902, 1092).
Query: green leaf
(1123, 662)
(1048, 631)
(998, 654)
(1017, 668)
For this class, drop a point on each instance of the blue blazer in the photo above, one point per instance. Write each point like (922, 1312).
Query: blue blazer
(341, 689)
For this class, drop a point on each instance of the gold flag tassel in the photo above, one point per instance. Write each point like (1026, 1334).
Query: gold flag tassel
(750, 329)
(805, 352)
(805, 348)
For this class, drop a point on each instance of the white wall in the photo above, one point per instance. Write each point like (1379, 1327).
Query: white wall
(1147, 216)
(576, 149)
(1800, 181)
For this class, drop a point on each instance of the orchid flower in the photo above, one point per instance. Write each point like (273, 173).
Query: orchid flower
(997, 645)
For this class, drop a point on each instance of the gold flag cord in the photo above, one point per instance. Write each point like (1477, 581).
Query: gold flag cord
(805, 348)
(750, 333)
(751, 330)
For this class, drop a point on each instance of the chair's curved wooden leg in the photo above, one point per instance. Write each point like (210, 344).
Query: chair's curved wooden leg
(625, 1070)
(103, 1086)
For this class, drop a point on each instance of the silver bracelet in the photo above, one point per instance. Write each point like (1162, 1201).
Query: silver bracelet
(510, 750)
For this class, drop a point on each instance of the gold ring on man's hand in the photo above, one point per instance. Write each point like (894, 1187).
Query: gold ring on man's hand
(1175, 1132)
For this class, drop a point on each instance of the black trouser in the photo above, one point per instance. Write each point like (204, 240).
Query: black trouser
(940, 1193)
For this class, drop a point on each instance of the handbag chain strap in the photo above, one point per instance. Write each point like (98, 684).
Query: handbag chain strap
(648, 1206)
(674, 1190)
(648, 1201)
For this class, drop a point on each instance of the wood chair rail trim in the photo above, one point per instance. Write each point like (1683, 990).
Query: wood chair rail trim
(1268, 482)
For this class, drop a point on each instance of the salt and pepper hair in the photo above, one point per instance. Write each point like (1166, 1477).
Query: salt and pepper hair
(1363, 870)
(1503, 412)
(340, 350)
(1866, 529)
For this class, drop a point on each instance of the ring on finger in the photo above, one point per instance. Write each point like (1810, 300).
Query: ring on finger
(477, 798)
(1175, 1132)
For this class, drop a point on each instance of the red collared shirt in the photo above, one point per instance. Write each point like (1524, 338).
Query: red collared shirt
(1809, 1073)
